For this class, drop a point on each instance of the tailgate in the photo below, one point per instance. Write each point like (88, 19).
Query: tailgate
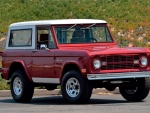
(0, 62)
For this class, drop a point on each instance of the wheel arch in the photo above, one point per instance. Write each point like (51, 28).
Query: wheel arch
(18, 64)
(68, 67)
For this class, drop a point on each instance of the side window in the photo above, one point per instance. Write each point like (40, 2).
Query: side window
(44, 37)
(20, 38)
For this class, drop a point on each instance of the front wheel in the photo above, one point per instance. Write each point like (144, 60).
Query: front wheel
(21, 88)
(138, 93)
(75, 88)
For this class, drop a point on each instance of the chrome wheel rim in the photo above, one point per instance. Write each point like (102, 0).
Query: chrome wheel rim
(132, 91)
(73, 87)
(17, 86)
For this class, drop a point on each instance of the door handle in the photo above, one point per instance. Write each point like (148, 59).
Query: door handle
(34, 51)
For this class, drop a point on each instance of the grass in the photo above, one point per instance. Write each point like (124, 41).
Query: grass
(3, 84)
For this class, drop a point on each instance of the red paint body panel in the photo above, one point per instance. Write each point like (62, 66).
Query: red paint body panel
(100, 49)
(23, 63)
(64, 57)
(43, 64)
(21, 56)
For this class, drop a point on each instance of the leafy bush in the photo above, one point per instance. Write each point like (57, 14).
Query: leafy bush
(3, 84)
(126, 15)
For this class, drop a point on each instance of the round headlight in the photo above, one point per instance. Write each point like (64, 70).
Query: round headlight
(144, 61)
(97, 63)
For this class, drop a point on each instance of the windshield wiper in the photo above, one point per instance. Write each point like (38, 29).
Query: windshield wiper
(69, 28)
(89, 26)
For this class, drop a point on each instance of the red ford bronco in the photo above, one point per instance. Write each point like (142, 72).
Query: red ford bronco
(78, 54)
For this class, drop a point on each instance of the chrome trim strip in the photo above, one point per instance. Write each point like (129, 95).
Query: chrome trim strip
(58, 60)
(107, 76)
(46, 80)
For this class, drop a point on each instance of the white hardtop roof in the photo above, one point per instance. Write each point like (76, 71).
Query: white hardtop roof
(57, 22)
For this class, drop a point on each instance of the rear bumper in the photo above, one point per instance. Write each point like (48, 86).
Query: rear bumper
(107, 76)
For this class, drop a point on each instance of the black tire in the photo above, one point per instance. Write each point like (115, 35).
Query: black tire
(83, 89)
(21, 88)
(137, 94)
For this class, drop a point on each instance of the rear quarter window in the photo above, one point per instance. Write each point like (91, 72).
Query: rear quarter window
(20, 38)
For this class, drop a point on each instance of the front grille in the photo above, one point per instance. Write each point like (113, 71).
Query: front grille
(120, 62)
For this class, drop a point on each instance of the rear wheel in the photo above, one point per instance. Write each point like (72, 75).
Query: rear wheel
(75, 88)
(138, 93)
(21, 88)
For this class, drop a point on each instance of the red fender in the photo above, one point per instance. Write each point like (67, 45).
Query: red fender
(25, 68)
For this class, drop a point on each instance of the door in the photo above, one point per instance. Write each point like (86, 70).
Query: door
(43, 57)
(43, 63)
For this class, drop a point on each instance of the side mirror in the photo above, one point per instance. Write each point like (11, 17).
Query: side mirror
(43, 46)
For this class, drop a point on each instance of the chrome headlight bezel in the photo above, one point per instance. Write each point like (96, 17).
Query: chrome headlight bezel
(144, 61)
(97, 64)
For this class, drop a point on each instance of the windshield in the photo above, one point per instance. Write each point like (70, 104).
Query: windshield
(82, 34)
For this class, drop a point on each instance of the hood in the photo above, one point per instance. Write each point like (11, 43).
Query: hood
(110, 50)
(116, 50)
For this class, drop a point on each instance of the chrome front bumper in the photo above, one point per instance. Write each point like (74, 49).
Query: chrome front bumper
(107, 76)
